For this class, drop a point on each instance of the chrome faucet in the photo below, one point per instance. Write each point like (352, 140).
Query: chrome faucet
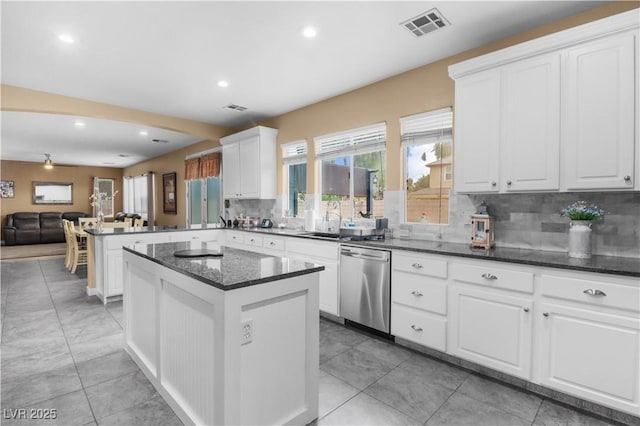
(336, 205)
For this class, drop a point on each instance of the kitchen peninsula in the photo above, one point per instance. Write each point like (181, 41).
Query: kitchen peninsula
(226, 339)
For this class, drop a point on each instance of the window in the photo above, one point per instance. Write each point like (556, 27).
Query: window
(136, 195)
(294, 160)
(204, 195)
(353, 166)
(104, 189)
(428, 165)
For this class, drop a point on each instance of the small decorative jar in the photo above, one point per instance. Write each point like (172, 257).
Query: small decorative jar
(580, 239)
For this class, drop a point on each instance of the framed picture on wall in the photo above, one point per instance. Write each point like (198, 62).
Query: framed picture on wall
(7, 189)
(169, 202)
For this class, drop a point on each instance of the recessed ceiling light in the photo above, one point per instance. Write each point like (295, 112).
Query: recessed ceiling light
(79, 124)
(309, 31)
(66, 38)
(143, 133)
(223, 83)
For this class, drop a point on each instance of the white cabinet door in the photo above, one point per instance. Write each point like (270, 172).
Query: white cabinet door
(231, 171)
(599, 114)
(590, 354)
(249, 165)
(114, 273)
(492, 328)
(530, 142)
(477, 132)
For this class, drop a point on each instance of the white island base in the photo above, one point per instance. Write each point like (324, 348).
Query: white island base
(225, 357)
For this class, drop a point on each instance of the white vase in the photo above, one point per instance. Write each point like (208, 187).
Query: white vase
(580, 239)
(99, 219)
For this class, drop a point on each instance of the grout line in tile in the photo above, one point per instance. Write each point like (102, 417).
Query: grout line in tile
(75, 365)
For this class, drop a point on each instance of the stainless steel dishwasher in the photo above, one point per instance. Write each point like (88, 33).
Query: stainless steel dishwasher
(365, 286)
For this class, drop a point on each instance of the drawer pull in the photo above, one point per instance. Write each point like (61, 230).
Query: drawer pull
(416, 328)
(594, 292)
(545, 314)
(417, 265)
(416, 293)
(272, 243)
(525, 309)
(489, 277)
(252, 240)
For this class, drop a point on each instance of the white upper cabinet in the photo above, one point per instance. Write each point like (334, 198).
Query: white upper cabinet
(530, 136)
(554, 113)
(477, 131)
(599, 114)
(249, 164)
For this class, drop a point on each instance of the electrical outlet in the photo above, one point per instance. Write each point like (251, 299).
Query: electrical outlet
(246, 332)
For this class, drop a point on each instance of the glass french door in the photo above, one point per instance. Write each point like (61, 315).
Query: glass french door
(204, 201)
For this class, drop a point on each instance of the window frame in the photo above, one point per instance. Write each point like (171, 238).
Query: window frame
(350, 143)
(293, 153)
(435, 126)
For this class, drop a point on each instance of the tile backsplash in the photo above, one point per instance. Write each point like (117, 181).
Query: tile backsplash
(533, 221)
(530, 221)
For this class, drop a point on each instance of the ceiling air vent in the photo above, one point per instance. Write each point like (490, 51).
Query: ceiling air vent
(235, 107)
(426, 22)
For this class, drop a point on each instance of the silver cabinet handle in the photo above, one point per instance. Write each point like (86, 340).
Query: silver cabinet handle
(416, 293)
(137, 242)
(594, 292)
(416, 328)
(508, 183)
(627, 178)
(493, 183)
(272, 243)
(252, 240)
(525, 309)
(195, 238)
(417, 265)
(489, 277)
(545, 314)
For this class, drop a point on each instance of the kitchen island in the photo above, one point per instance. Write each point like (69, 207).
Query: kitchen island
(230, 339)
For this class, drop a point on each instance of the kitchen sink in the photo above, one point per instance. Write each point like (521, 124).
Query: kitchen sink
(322, 234)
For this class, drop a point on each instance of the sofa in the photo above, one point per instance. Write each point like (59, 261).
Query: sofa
(121, 216)
(37, 228)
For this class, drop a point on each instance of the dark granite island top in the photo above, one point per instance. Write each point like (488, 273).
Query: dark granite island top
(235, 269)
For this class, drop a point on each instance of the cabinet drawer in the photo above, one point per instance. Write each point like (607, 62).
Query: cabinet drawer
(417, 291)
(234, 237)
(492, 276)
(420, 264)
(253, 240)
(142, 238)
(607, 294)
(419, 327)
(273, 243)
(315, 249)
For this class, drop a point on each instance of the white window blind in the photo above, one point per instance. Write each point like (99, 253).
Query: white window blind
(363, 139)
(428, 127)
(294, 152)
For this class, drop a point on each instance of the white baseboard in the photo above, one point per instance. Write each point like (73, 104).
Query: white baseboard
(92, 291)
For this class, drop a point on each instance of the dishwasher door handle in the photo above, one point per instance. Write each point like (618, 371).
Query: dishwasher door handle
(364, 256)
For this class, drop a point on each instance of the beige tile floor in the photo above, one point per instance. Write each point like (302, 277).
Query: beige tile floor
(63, 350)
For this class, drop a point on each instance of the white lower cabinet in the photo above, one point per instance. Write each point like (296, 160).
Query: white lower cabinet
(326, 254)
(419, 299)
(589, 339)
(488, 324)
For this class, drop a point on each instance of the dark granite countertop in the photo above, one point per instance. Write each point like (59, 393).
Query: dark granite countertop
(105, 232)
(624, 266)
(235, 269)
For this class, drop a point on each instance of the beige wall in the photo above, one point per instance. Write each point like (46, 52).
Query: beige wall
(168, 163)
(25, 173)
(422, 89)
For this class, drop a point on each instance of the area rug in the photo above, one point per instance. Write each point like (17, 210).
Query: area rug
(32, 250)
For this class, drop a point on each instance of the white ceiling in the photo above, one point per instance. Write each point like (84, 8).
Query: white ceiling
(167, 57)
